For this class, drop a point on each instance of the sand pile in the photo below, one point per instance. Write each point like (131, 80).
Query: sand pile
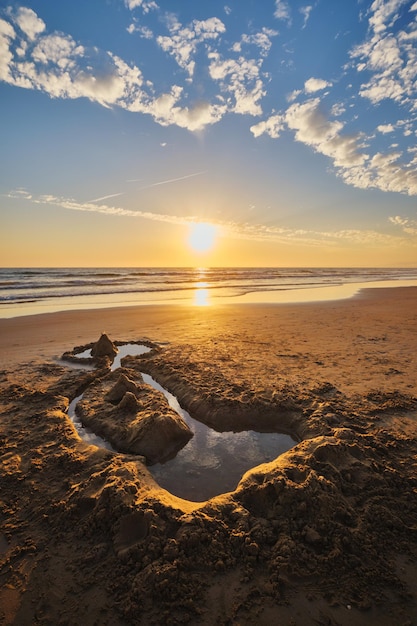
(104, 347)
(133, 417)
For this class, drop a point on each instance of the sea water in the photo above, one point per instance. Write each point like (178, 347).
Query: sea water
(27, 291)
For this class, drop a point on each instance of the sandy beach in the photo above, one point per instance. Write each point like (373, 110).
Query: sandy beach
(324, 535)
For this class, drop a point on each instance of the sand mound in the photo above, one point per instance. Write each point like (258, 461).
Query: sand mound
(104, 347)
(133, 417)
(122, 386)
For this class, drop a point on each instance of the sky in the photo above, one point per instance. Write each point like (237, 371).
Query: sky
(289, 128)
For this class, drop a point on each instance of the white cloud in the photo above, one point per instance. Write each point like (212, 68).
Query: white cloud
(183, 41)
(166, 111)
(29, 22)
(408, 226)
(143, 31)
(414, 7)
(338, 109)
(305, 12)
(388, 55)
(272, 127)
(379, 54)
(385, 13)
(386, 172)
(241, 78)
(145, 5)
(282, 10)
(316, 84)
(294, 95)
(7, 33)
(56, 64)
(262, 40)
(7, 30)
(383, 87)
(57, 49)
(385, 128)
(313, 129)
(398, 221)
(60, 68)
(107, 89)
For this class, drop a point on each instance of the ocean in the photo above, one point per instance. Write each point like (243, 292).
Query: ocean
(26, 291)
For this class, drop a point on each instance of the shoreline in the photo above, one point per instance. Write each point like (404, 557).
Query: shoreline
(198, 296)
(103, 534)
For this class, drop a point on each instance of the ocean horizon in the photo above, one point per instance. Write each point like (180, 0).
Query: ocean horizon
(27, 291)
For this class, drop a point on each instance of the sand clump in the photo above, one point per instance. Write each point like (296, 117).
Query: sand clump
(123, 385)
(133, 417)
(104, 347)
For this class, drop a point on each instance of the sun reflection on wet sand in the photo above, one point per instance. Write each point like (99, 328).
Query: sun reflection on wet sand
(201, 297)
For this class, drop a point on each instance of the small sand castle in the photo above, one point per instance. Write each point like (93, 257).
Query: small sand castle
(123, 385)
(104, 347)
(129, 403)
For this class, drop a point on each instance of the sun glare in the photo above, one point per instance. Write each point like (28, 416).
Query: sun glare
(201, 297)
(202, 236)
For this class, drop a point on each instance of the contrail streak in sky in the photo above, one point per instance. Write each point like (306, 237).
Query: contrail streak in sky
(112, 195)
(162, 182)
(170, 180)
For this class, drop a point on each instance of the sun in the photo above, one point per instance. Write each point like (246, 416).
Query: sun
(202, 236)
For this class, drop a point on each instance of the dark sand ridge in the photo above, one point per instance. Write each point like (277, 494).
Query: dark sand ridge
(324, 535)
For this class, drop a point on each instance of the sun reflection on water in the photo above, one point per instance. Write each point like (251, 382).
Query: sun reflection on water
(201, 295)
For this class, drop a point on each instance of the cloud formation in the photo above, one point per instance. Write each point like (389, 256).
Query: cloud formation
(316, 84)
(407, 225)
(145, 5)
(215, 70)
(262, 39)
(56, 64)
(282, 10)
(29, 22)
(388, 56)
(182, 42)
(241, 79)
(324, 136)
(238, 230)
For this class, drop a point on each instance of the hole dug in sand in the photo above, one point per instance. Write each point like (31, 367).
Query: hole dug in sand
(133, 412)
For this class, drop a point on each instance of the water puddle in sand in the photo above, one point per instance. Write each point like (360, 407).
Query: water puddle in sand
(212, 462)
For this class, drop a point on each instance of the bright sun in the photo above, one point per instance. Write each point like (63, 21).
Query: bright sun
(202, 236)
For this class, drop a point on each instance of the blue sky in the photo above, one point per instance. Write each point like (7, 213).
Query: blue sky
(290, 126)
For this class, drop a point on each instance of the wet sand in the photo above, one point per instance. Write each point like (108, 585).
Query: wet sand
(325, 534)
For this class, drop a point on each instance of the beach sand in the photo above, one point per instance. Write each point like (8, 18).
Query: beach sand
(326, 534)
